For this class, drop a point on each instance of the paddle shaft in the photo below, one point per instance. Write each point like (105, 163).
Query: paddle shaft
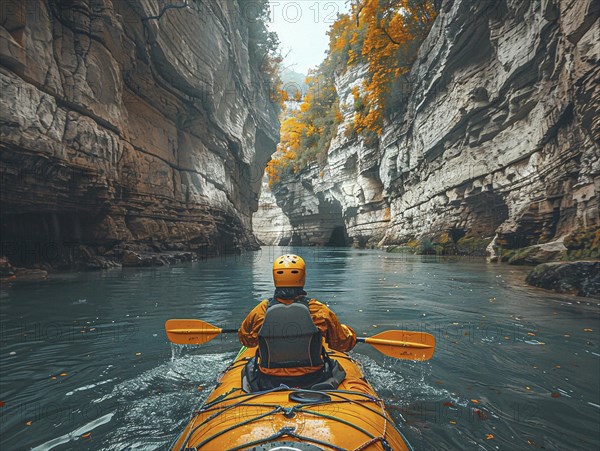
(400, 344)
(379, 341)
(215, 331)
(368, 340)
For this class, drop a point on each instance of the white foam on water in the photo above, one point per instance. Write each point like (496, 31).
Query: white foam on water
(158, 402)
(87, 387)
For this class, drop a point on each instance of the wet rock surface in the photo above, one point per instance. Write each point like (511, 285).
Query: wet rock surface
(541, 253)
(9, 273)
(581, 278)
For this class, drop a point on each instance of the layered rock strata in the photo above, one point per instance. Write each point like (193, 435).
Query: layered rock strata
(499, 138)
(135, 122)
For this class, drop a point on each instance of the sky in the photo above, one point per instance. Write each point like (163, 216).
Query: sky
(302, 27)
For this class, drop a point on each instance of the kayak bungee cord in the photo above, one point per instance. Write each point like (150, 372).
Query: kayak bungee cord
(235, 426)
(289, 402)
(220, 399)
(299, 407)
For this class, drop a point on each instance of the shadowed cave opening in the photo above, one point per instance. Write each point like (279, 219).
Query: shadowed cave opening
(30, 239)
(332, 218)
(338, 238)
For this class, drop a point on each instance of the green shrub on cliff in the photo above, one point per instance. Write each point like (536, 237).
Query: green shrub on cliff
(473, 246)
(583, 244)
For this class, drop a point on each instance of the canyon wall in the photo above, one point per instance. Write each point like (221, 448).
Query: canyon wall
(499, 138)
(130, 124)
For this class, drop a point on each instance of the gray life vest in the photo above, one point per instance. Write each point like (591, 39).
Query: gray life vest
(288, 337)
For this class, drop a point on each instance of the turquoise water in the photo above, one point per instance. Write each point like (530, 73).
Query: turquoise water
(85, 363)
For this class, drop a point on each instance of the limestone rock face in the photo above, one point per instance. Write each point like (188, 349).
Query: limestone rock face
(500, 135)
(129, 122)
(269, 224)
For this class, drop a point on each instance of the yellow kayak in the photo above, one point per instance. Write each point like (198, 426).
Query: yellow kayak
(352, 417)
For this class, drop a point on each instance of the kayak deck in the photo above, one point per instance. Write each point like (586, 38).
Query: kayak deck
(349, 418)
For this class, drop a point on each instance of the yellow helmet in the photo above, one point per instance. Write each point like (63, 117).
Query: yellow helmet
(289, 271)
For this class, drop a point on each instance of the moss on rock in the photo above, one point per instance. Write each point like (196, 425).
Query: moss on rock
(581, 278)
(583, 244)
(476, 246)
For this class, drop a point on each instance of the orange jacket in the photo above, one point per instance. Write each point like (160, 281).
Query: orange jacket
(338, 336)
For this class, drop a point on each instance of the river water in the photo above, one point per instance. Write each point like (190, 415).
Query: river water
(85, 363)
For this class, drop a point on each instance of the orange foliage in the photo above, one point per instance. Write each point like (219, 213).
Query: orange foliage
(394, 30)
(384, 34)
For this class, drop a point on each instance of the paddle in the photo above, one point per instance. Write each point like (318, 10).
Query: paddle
(400, 344)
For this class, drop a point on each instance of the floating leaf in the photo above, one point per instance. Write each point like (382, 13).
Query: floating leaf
(555, 394)
(438, 382)
(200, 388)
(86, 435)
(489, 436)
(53, 378)
(531, 442)
(507, 338)
(474, 401)
(481, 414)
(138, 353)
(568, 335)
(63, 374)
(448, 404)
(556, 366)
(2, 403)
(527, 388)
(452, 422)
(587, 330)
(531, 334)
(29, 423)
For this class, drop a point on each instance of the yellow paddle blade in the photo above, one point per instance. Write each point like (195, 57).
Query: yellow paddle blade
(403, 344)
(190, 331)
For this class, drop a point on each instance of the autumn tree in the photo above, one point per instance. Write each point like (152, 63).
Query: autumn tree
(383, 34)
(394, 32)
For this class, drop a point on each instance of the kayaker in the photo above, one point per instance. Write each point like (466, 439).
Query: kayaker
(289, 330)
